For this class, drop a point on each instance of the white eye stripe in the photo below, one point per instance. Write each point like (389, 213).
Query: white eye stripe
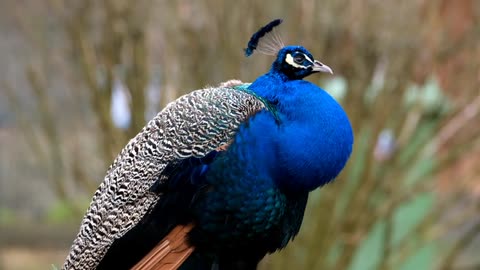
(289, 60)
(308, 59)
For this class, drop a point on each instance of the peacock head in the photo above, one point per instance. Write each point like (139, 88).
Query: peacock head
(294, 62)
(297, 63)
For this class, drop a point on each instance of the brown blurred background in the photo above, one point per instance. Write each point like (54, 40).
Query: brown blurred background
(79, 78)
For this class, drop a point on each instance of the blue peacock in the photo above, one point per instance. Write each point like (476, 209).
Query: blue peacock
(234, 163)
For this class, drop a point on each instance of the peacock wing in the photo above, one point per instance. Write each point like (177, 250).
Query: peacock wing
(191, 126)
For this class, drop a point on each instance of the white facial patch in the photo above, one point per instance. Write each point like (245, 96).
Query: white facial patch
(308, 59)
(289, 60)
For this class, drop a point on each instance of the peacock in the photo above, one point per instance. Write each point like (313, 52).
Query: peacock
(234, 164)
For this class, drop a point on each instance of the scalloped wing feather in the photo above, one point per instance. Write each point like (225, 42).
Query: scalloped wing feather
(191, 126)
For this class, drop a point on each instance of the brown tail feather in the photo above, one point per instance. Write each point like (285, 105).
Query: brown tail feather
(170, 253)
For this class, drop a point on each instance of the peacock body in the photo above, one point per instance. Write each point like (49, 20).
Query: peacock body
(238, 162)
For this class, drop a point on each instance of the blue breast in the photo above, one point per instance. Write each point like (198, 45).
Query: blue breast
(257, 184)
(314, 139)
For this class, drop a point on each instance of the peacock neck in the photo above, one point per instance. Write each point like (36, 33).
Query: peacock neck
(313, 125)
(269, 85)
(296, 100)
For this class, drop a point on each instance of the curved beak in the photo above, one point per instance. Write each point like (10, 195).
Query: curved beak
(319, 67)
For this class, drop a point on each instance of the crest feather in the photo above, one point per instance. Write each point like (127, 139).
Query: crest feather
(266, 40)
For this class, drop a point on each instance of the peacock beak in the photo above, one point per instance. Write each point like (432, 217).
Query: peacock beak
(319, 67)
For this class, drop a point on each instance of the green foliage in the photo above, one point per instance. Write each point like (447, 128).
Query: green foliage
(62, 212)
(7, 216)
(429, 96)
(409, 215)
(371, 247)
(424, 258)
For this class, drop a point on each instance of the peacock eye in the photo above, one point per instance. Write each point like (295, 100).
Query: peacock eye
(299, 58)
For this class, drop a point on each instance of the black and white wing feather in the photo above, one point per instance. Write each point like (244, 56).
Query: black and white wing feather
(191, 126)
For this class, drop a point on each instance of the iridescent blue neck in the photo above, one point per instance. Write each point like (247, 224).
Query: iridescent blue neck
(315, 138)
(269, 85)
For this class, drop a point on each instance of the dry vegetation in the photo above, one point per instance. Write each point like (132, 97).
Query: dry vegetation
(409, 67)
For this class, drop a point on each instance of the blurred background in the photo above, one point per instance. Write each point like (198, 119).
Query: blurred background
(79, 78)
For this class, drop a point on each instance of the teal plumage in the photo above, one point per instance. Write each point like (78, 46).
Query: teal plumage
(236, 162)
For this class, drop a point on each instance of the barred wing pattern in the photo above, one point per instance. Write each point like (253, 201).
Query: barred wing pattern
(191, 126)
